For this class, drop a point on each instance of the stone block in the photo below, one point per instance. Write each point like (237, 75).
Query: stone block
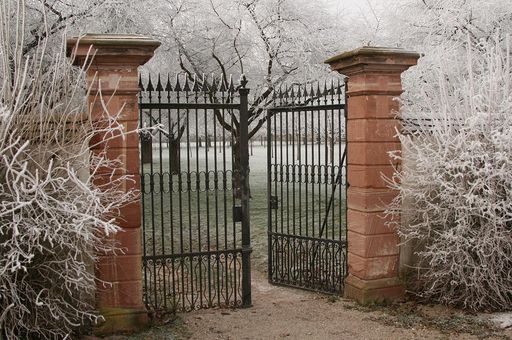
(371, 153)
(122, 320)
(129, 216)
(365, 176)
(119, 267)
(369, 199)
(372, 130)
(370, 246)
(368, 223)
(373, 291)
(371, 106)
(372, 268)
(375, 82)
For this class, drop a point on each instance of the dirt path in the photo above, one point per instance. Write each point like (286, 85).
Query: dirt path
(285, 313)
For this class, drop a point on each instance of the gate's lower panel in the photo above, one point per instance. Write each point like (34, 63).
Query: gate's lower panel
(194, 281)
(308, 263)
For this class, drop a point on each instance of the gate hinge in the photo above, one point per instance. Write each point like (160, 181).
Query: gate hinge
(274, 202)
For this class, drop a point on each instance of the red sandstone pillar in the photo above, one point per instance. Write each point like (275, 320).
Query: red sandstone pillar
(114, 70)
(374, 81)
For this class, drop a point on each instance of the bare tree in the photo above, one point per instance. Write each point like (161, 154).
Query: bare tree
(270, 41)
(46, 20)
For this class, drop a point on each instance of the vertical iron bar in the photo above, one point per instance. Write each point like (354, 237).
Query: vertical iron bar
(199, 284)
(294, 256)
(332, 249)
(207, 193)
(171, 175)
(324, 264)
(161, 187)
(299, 148)
(333, 113)
(234, 178)
(180, 197)
(326, 158)
(319, 146)
(269, 195)
(216, 185)
(313, 172)
(347, 184)
(287, 253)
(152, 191)
(224, 192)
(189, 203)
(276, 174)
(244, 197)
(340, 209)
(143, 190)
(306, 169)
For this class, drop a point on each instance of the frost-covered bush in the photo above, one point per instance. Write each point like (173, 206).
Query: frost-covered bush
(457, 179)
(52, 217)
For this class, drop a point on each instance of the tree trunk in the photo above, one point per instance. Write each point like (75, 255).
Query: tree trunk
(237, 178)
(298, 148)
(174, 145)
(332, 148)
(146, 152)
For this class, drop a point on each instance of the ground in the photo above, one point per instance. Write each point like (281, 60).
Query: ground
(286, 313)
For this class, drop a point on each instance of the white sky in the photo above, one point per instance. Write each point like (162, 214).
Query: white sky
(351, 6)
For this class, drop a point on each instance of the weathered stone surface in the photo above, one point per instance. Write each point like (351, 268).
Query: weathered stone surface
(112, 75)
(372, 268)
(372, 245)
(369, 199)
(372, 130)
(371, 153)
(370, 291)
(121, 320)
(365, 105)
(370, 176)
(374, 82)
(369, 223)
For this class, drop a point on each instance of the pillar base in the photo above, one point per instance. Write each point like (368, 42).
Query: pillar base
(121, 320)
(374, 291)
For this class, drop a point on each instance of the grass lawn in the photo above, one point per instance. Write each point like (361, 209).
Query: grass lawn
(199, 220)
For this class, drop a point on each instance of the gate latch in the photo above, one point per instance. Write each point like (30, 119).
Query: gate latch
(274, 202)
(237, 214)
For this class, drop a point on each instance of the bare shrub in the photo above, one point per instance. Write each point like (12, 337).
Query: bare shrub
(52, 217)
(457, 143)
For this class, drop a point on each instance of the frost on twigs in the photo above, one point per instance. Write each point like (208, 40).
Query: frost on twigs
(53, 218)
(457, 179)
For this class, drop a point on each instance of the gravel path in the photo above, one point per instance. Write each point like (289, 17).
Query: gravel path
(285, 313)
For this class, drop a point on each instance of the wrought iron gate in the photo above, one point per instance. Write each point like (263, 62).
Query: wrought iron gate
(306, 158)
(194, 180)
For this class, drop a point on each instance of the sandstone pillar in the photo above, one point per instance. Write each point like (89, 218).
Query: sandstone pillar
(114, 62)
(374, 81)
